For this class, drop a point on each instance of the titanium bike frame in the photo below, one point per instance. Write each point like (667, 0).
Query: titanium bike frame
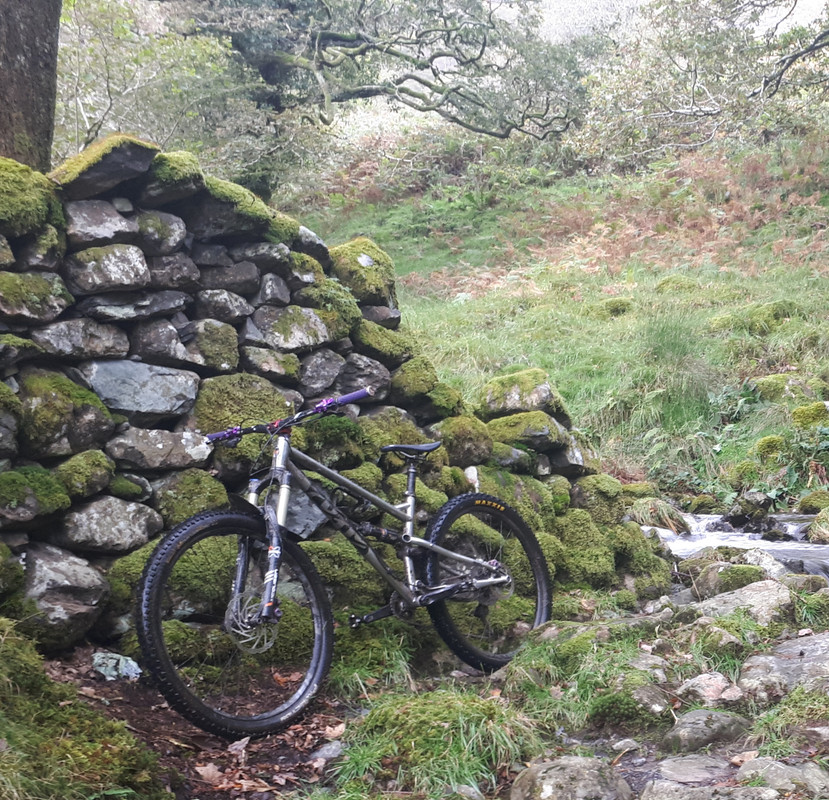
(286, 467)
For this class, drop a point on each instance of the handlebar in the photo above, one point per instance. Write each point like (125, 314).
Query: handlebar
(327, 406)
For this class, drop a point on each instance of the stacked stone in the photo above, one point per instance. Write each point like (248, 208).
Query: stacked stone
(143, 304)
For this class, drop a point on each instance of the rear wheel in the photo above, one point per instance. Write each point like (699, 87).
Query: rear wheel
(201, 640)
(486, 626)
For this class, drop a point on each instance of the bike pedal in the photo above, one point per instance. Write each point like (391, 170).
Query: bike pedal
(381, 613)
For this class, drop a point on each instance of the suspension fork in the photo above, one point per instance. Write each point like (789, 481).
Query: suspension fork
(274, 523)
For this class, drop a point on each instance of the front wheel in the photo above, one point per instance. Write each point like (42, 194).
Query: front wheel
(198, 627)
(486, 626)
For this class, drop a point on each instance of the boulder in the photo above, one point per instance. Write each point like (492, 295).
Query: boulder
(81, 339)
(697, 729)
(570, 778)
(91, 223)
(110, 268)
(145, 449)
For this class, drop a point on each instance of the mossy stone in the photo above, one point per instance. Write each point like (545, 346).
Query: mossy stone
(330, 295)
(521, 391)
(367, 475)
(534, 429)
(811, 415)
(743, 474)
(769, 446)
(602, 496)
(175, 167)
(347, 575)
(705, 504)
(12, 573)
(611, 307)
(531, 498)
(443, 401)
(467, 440)
(388, 425)
(389, 347)
(427, 499)
(240, 399)
(365, 269)
(335, 442)
(121, 486)
(218, 344)
(86, 473)
(32, 490)
(28, 201)
(781, 388)
(813, 502)
(587, 558)
(29, 296)
(679, 284)
(10, 402)
(186, 493)
(639, 489)
(413, 381)
(281, 228)
(559, 488)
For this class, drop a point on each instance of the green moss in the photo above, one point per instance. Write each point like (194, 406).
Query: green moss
(639, 490)
(9, 401)
(602, 496)
(625, 599)
(31, 293)
(534, 429)
(635, 554)
(445, 401)
(351, 580)
(705, 504)
(758, 319)
(466, 439)
(33, 483)
(570, 653)
(86, 473)
(334, 441)
(186, 493)
(12, 574)
(388, 426)
(391, 348)
(28, 202)
(367, 270)
(618, 708)
(175, 167)
(612, 307)
(813, 502)
(330, 295)
(811, 415)
(780, 388)
(281, 228)
(56, 747)
(427, 498)
(219, 345)
(74, 167)
(305, 264)
(530, 497)
(587, 558)
(743, 474)
(240, 399)
(518, 391)
(559, 488)
(55, 400)
(677, 284)
(368, 475)
(738, 575)
(565, 607)
(123, 578)
(121, 486)
(244, 202)
(769, 446)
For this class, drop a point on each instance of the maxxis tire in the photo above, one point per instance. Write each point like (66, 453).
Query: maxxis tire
(448, 529)
(210, 526)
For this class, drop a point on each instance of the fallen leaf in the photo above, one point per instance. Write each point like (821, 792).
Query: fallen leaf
(334, 731)
(211, 773)
(742, 758)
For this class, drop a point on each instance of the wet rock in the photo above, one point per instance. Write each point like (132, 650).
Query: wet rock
(133, 306)
(306, 241)
(144, 393)
(767, 677)
(145, 449)
(788, 778)
(267, 256)
(764, 601)
(279, 367)
(697, 729)
(360, 372)
(90, 223)
(273, 291)
(32, 297)
(160, 233)
(382, 315)
(68, 592)
(570, 778)
(292, 329)
(111, 268)
(108, 526)
(81, 339)
(694, 769)
(175, 271)
(668, 790)
(242, 278)
(711, 689)
(222, 305)
(318, 371)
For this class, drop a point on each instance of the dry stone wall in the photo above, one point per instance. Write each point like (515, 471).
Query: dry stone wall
(143, 304)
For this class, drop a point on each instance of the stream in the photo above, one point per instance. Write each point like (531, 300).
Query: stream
(795, 552)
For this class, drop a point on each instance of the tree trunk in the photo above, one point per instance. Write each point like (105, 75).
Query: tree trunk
(28, 77)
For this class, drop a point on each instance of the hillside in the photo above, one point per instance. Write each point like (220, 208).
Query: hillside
(681, 311)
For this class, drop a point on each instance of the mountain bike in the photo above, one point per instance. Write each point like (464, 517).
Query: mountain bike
(235, 624)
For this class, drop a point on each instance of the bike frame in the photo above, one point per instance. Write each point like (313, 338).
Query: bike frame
(286, 467)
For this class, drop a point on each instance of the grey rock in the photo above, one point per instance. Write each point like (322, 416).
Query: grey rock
(111, 268)
(147, 449)
(160, 233)
(40, 298)
(158, 342)
(68, 592)
(222, 305)
(269, 257)
(42, 252)
(273, 291)
(9, 425)
(125, 161)
(7, 259)
(362, 372)
(769, 564)
(211, 255)
(145, 487)
(668, 790)
(382, 315)
(292, 329)
(144, 393)
(312, 245)
(319, 370)
(693, 769)
(175, 271)
(108, 526)
(90, 223)
(697, 729)
(242, 278)
(278, 367)
(81, 339)
(796, 662)
(134, 306)
(576, 459)
(711, 689)
(570, 778)
(787, 778)
(764, 601)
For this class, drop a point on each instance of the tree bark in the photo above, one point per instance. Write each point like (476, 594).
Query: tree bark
(29, 32)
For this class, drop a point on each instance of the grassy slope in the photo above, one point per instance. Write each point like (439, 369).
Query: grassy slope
(653, 301)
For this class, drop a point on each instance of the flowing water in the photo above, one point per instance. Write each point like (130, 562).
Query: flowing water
(709, 530)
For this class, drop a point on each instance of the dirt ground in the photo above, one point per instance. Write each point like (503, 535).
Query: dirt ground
(196, 765)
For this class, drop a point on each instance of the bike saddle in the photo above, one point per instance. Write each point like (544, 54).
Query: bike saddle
(410, 450)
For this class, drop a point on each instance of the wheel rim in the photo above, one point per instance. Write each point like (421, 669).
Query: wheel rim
(220, 660)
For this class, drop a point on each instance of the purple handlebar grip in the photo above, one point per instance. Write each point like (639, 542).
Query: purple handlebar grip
(228, 434)
(351, 397)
